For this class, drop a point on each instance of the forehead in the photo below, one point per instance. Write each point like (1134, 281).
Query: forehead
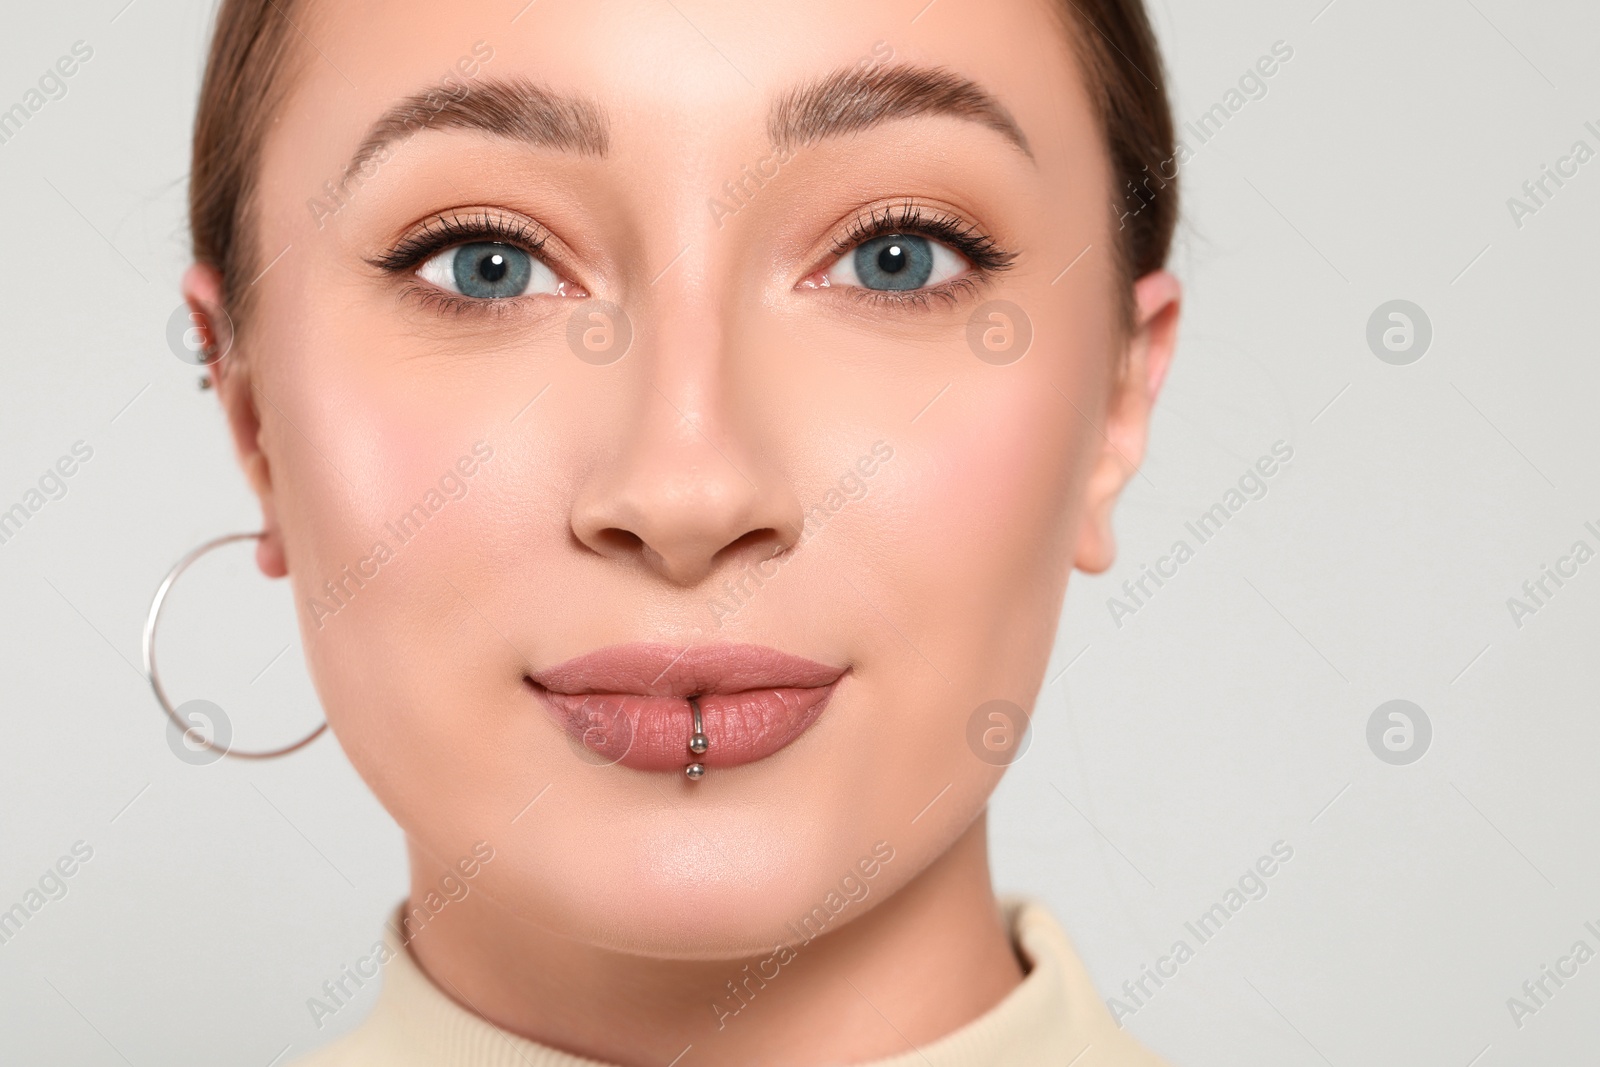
(696, 73)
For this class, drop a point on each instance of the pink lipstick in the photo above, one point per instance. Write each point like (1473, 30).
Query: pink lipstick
(630, 704)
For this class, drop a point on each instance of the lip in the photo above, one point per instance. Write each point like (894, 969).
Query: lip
(629, 704)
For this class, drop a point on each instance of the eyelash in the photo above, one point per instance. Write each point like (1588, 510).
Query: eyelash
(446, 231)
(443, 231)
(983, 252)
(987, 257)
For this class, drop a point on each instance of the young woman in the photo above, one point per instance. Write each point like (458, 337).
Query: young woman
(679, 422)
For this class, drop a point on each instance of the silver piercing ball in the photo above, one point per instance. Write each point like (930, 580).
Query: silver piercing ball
(698, 741)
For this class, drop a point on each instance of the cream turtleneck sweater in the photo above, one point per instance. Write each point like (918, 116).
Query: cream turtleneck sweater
(1053, 1019)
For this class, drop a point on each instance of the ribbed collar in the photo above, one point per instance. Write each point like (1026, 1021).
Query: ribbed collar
(1053, 1018)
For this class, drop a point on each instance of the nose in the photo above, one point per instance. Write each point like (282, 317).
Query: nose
(689, 491)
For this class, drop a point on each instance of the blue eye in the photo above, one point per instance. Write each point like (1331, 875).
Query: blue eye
(896, 262)
(491, 270)
(488, 270)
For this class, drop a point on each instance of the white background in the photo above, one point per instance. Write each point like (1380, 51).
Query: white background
(1227, 714)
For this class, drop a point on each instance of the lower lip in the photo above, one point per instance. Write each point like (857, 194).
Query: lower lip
(651, 733)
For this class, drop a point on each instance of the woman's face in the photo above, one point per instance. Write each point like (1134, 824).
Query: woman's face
(657, 331)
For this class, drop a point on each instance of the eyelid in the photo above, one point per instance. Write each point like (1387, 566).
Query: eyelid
(935, 222)
(454, 227)
(924, 219)
(457, 226)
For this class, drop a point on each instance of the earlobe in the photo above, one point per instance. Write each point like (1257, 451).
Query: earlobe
(230, 380)
(1157, 300)
(269, 554)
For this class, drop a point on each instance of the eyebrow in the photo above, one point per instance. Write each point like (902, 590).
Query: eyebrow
(844, 102)
(850, 100)
(512, 108)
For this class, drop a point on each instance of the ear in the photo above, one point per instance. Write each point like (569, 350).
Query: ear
(1157, 299)
(230, 379)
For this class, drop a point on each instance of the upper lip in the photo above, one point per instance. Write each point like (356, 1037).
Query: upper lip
(650, 669)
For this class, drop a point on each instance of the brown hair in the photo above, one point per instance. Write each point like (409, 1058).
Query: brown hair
(247, 77)
(244, 85)
(1126, 81)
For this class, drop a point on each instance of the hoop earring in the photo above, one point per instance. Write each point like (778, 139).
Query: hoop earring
(155, 676)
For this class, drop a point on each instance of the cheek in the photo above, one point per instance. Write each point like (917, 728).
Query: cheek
(966, 551)
(992, 488)
(997, 476)
(357, 453)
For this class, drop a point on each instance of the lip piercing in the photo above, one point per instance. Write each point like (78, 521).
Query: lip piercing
(698, 742)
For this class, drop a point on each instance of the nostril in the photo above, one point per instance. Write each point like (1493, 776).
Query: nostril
(614, 541)
(760, 544)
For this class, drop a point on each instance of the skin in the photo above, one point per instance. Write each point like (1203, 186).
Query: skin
(615, 507)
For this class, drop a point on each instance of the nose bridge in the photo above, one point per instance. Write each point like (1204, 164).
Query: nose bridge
(691, 484)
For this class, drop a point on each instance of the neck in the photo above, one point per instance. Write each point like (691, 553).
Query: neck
(869, 979)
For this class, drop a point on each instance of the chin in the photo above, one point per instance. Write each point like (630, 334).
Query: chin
(654, 887)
